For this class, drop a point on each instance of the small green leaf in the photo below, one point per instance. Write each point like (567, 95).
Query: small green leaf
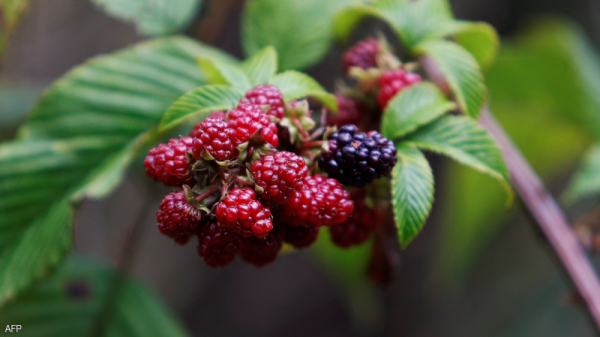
(412, 193)
(465, 141)
(202, 100)
(294, 85)
(414, 106)
(262, 66)
(478, 38)
(300, 31)
(416, 21)
(586, 181)
(153, 17)
(461, 72)
(72, 302)
(224, 72)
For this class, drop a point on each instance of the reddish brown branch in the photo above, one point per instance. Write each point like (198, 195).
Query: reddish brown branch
(550, 219)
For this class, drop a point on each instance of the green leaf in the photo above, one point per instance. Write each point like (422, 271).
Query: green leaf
(414, 106)
(294, 85)
(224, 72)
(201, 101)
(347, 19)
(72, 302)
(465, 141)
(416, 21)
(153, 17)
(80, 136)
(262, 66)
(300, 31)
(412, 193)
(11, 12)
(461, 72)
(478, 38)
(586, 181)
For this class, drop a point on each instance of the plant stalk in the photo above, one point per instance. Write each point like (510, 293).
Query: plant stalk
(550, 218)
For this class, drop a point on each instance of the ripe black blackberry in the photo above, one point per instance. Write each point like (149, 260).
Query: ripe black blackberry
(216, 245)
(355, 158)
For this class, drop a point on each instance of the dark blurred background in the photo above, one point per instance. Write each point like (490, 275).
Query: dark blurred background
(477, 269)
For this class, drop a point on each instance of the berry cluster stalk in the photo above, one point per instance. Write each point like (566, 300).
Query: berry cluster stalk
(550, 218)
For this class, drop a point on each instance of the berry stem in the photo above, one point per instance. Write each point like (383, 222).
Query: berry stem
(300, 127)
(243, 182)
(207, 193)
(316, 143)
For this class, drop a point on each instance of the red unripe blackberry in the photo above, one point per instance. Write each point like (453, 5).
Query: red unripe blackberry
(300, 236)
(266, 94)
(363, 55)
(320, 201)
(359, 226)
(241, 213)
(168, 162)
(214, 135)
(392, 81)
(176, 218)
(246, 119)
(279, 175)
(216, 245)
(348, 111)
(260, 252)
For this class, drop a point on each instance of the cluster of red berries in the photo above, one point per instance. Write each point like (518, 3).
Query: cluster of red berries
(238, 194)
(241, 195)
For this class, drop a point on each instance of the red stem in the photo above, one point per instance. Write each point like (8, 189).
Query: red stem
(207, 193)
(300, 127)
(243, 182)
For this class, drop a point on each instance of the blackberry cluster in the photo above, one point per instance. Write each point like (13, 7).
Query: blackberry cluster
(279, 175)
(241, 213)
(169, 164)
(355, 158)
(176, 218)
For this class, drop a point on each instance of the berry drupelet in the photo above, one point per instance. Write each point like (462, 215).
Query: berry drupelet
(260, 252)
(363, 55)
(246, 119)
(216, 245)
(320, 201)
(355, 158)
(214, 135)
(176, 218)
(392, 81)
(266, 94)
(358, 227)
(168, 162)
(241, 213)
(279, 175)
(348, 111)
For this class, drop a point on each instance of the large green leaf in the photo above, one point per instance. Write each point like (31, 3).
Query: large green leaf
(202, 100)
(300, 31)
(73, 302)
(412, 193)
(412, 107)
(294, 85)
(153, 17)
(11, 12)
(460, 70)
(80, 136)
(465, 141)
(586, 181)
(261, 66)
